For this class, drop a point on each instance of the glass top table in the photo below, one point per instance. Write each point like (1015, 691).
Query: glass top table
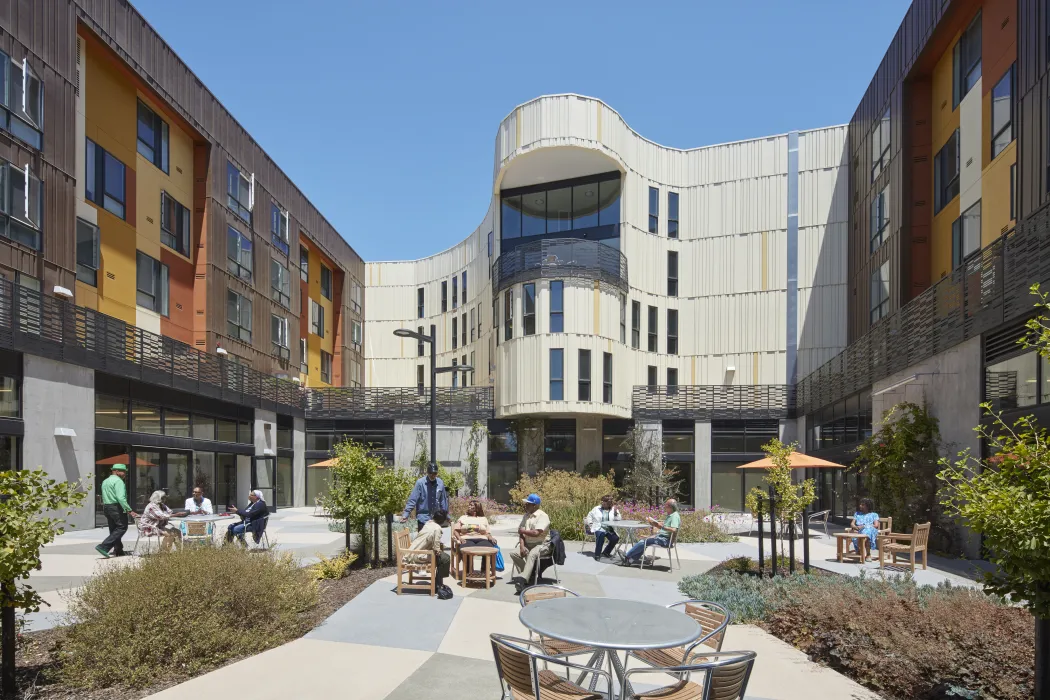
(610, 623)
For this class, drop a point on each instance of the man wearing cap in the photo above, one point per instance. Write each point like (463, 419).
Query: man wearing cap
(428, 497)
(115, 507)
(533, 540)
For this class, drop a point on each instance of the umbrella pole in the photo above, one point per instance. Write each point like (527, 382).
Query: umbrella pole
(805, 541)
(761, 541)
(773, 531)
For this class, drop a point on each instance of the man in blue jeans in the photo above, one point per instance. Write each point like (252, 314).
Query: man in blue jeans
(428, 497)
(672, 521)
(598, 521)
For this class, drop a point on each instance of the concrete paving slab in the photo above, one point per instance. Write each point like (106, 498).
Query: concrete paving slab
(660, 571)
(54, 584)
(649, 591)
(454, 676)
(476, 619)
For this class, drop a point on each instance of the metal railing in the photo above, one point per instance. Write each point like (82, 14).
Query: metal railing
(560, 258)
(990, 289)
(455, 406)
(713, 402)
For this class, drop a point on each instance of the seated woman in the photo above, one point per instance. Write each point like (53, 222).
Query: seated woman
(155, 521)
(866, 522)
(472, 529)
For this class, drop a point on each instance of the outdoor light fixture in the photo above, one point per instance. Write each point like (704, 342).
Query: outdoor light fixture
(221, 351)
(63, 292)
(902, 382)
(65, 432)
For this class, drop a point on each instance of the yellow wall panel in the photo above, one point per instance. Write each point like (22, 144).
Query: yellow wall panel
(945, 122)
(995, 195)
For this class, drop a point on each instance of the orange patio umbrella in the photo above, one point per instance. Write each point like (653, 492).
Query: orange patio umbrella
(797, 461)
(323, 465)
(126, 460)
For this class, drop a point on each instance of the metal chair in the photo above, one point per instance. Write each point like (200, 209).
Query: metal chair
(672, 547)
(588, 536)
(725, 677)
(819, 518)
(554, 647)
(713, 619)
(518, 664)
(149, 538)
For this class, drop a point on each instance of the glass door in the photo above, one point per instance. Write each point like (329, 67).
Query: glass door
(159, 470)
(264, 478)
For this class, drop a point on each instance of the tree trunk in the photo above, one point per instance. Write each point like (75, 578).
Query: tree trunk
(1042, 658)
(7, 672)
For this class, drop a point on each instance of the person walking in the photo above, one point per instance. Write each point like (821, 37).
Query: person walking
(116, 509)
(428, 497)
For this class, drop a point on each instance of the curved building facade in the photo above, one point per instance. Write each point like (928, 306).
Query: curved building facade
(613, 279)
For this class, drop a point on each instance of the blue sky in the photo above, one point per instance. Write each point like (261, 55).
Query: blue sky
(385, 113)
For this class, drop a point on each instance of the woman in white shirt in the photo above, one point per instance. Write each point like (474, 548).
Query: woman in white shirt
(598, 523)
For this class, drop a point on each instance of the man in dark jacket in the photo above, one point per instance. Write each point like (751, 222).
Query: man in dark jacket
(253, 519)
(428, 496)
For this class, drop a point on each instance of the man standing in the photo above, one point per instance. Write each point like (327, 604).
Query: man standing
(116, 509)
(428, 497)
(533, 540)
(598, 522)
(198, 504)
(428, 539)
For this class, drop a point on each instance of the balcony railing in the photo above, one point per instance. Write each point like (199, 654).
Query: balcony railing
(715, 402)
(54, 328)
(990, 289)
(455, 406)
(560, 258)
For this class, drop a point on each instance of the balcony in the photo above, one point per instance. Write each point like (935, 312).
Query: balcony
(455, 406)
(560, 258)
(713, 402)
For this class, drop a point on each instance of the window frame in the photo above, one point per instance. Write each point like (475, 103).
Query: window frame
(654, 210)
(557, 306)
(455, 292)
(281, 293)
(326, 360)
(672, 381)
(963, 75)
(455, 332)
(444, 296)
(279, 227)
(880, 309)
(472, 327)
(672, 273)
(87, 270)
(282, 323)
(326, 282)
(607, 377)
(653, 330)
(1009, 79)
(235, 328)
(881, 138)
(672, 331)
(159, 149)
(960, 254)
(234, 199)
(420, 380)
(945, 192)
(672, 214)
(583, 375)
(463, 286)
(15, 118)
(420, 343)
(160, 283)
(880, 218)
(636, 324)
(100, 194)
(420, 302)
(528, 309)
(356, 334)
(623, 318)
(316, 318)
(171, 208)
(651, 378)
(245, 251)
(463, 330)
(304, 263)
(556, 377)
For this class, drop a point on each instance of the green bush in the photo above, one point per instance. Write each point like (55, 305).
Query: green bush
(333, 567)
(180, 614)
(567, 497)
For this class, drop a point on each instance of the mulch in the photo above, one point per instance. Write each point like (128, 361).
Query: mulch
(37, 669)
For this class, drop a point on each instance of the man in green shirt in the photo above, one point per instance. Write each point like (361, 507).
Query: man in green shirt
(115, 507)
(672, 521)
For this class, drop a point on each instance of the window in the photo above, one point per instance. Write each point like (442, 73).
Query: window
(279, 336)
(419, 380)
(304, 263)
(355, 334)
(966, 61)
(304, 366)
(672, 381)
(623, 319)
(495, 317)
(444, 296)
(490, 244)
(880, 292)
(104, 180)
(966, 235)
(584, 380)
(463, 330)
(238, 254)
(420, 297)
(23, 206)
(880, 218)
(479, 321)
(1003, 113)
(557, 373)
(636, 324)
(455, 332)
(174, 224)
(553, 209)
(654, 210)
(672, 331)
(472, 325)
(22, 100)
(557, 306)
(240, 192)
(455, 292)
(672, 273)
(464, 285)
(528, 316)
(653, 330)
(473, 368)
(279, 227)
(238, 316)
(151, 284)
(672, 215)
(508, 315)
(607, 376)
(455, 374)
(946, 173)
(280, 284)
(326, 283)
(880, 145)
(651, 380)
(316, 319)
(1013, 192)
(87, 252)
(153, 137)
(355, 296)
(326, 367)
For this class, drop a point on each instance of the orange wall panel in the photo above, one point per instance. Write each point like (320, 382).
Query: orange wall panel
(179, 322)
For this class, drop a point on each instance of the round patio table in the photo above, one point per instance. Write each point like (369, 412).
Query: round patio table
(610, 625)
(630, 528)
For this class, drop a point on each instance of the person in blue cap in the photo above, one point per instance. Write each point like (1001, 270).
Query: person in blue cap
(428, 497)
(533, 540)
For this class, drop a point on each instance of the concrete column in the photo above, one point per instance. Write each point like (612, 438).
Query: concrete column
(299, 462)
(58, 407)
(265, 438)
(588, 441)
(702, 465)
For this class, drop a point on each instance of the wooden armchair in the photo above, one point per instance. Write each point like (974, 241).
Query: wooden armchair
(905, 545)
(885, 528)
(412, 562)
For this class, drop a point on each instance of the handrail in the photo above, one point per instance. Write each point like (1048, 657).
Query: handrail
(560, 258)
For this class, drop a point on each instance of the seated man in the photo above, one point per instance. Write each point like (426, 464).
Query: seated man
(428, 539)
(533, 540)
(198, 504)
(253, 519)
(670, 525)
(598, 523)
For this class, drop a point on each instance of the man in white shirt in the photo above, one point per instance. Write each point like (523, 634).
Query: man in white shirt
(533, 540)
(598, 523)
(198, 504)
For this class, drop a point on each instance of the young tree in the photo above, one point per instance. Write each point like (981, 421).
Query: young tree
(792, 498)
(453, 480)
(33, 509)
(648, 479)
(477, 436)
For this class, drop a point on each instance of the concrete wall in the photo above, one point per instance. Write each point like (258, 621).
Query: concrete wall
(299, 462)
(702, 465)
(453, 442)
(59, 395)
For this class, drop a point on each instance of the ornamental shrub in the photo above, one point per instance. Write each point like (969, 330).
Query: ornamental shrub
(457, 506)
(566, 497)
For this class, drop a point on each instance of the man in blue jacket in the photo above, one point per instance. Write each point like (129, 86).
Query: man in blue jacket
(428, 497)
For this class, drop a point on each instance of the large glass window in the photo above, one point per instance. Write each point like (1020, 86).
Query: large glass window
(87, 252)
(946, 173)
(238, 316)
(650, 377)
(316, 319)
(557, 306)
(672, 273)
(279, 336)
(672, 215)
(455, 292)
(176, 423)
(561, 207)
(326, 367)
(444, 296)
(10, 397)
(239, 192)
(304, 264)
(356, 334)
(280, 284)
(880, 292)
(152, 137)
(472, 327)
(326, 283)
(1003, 113)
(283, 490)
(463, 276)
(584, 376)
(174, 224)
(1012, 383)
(672, 381)
(966, 235)
(557, 374)
(966, 61)
(623, 319)
(880, 145)
(607, 377)
(24, 207)
(672, 331)
(420, 307)
(455, 332)
(145, 419)
(508, 315)
(636, 324)
(279, 227)
(203, 427)
(22, 100)
(528, 316)
(238, 254)
(653, 328)
(151, 284)
(104, 180)
(111, 412)
(654, 210)
(880, 218)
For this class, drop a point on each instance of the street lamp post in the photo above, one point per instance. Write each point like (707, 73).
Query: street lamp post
(434, 372)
